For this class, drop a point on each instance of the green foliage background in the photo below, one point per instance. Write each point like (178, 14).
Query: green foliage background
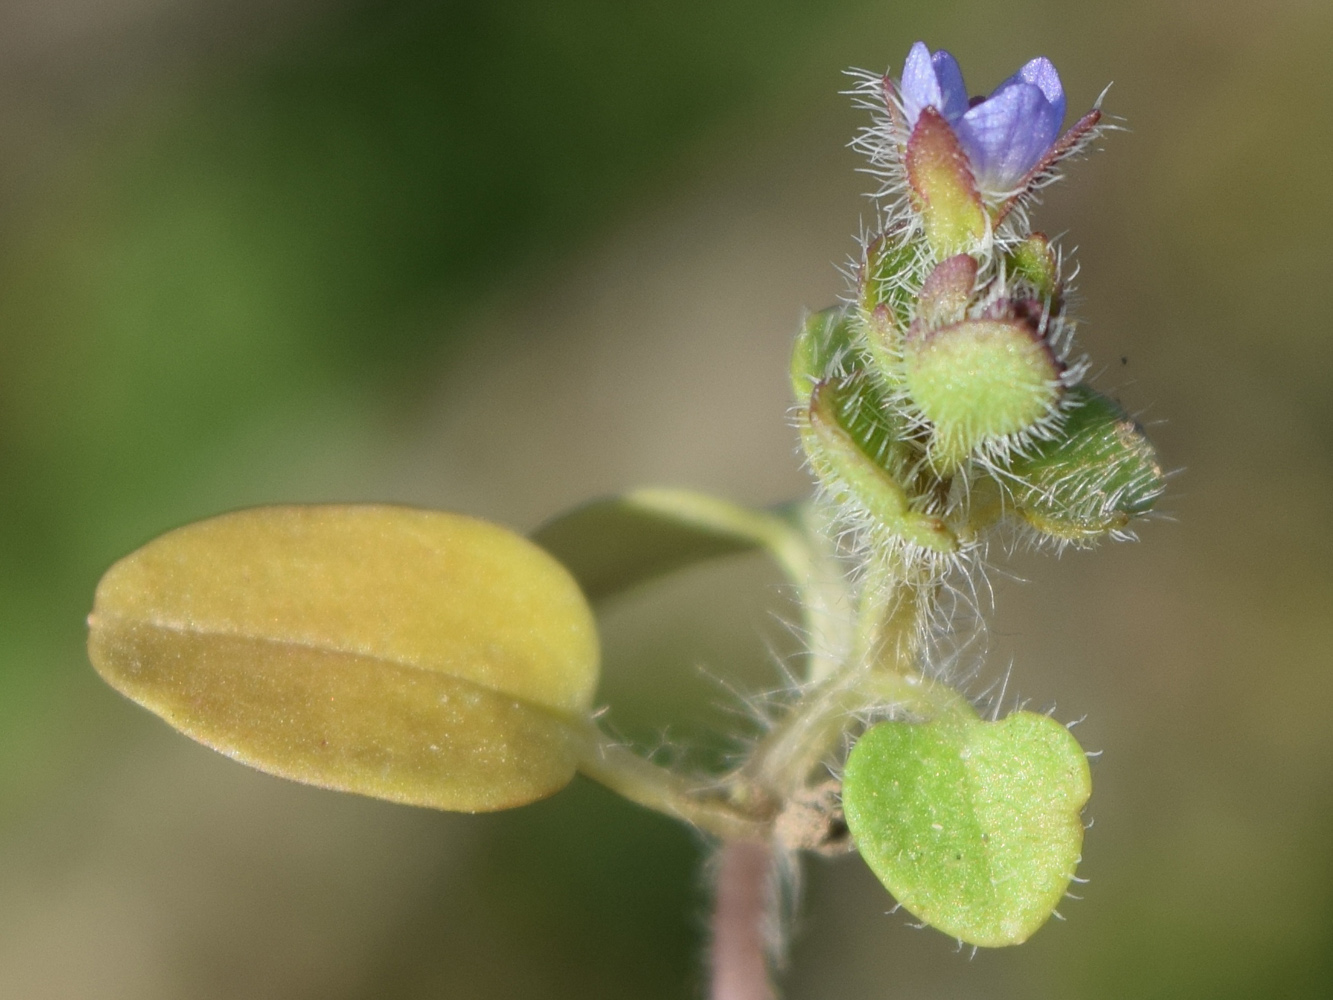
(500, 257)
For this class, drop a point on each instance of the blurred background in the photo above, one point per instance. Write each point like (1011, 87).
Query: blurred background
(501, 256)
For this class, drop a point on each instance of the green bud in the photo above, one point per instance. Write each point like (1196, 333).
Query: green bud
(860, 457)
(979, 382)
(825, 339)
(885, 277)
(884, 347)
(1034, 261)
(944, 193)
(1091, 480)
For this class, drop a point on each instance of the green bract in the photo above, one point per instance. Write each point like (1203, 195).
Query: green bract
(823, 345)
(973, 826)
(411, 655)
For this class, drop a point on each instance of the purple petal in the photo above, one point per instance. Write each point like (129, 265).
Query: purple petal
(1008, 133)
(920, 87)
(933, 81)
(953, 92)
(1041, 73)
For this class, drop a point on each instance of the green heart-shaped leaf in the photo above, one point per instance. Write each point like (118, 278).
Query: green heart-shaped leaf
(411, 655)
(973, 826)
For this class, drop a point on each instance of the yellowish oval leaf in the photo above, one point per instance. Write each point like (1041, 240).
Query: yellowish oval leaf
(411, 655)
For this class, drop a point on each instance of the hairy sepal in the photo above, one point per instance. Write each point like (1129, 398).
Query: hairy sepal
(980, 382)
(823, 347)
(862, 461)
(943, 190)
(1091, 480)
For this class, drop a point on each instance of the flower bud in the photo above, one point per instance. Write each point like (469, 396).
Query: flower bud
(862, 461)
(1100, 472)
(944, 192)
(884, 347)
(978, 382)
(947, 291)
(885, 278)
(886, 290)
(1034, 261)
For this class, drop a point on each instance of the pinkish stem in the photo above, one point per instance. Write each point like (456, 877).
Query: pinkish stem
(741, 915)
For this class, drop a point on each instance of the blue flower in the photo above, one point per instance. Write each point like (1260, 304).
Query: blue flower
(1004, 135)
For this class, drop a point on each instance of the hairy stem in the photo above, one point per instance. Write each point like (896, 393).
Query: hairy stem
(742, 916)
(880, 664)
(723, 812)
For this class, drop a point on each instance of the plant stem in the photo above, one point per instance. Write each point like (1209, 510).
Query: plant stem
(703, 805)
(880, 664)
(742, 914)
